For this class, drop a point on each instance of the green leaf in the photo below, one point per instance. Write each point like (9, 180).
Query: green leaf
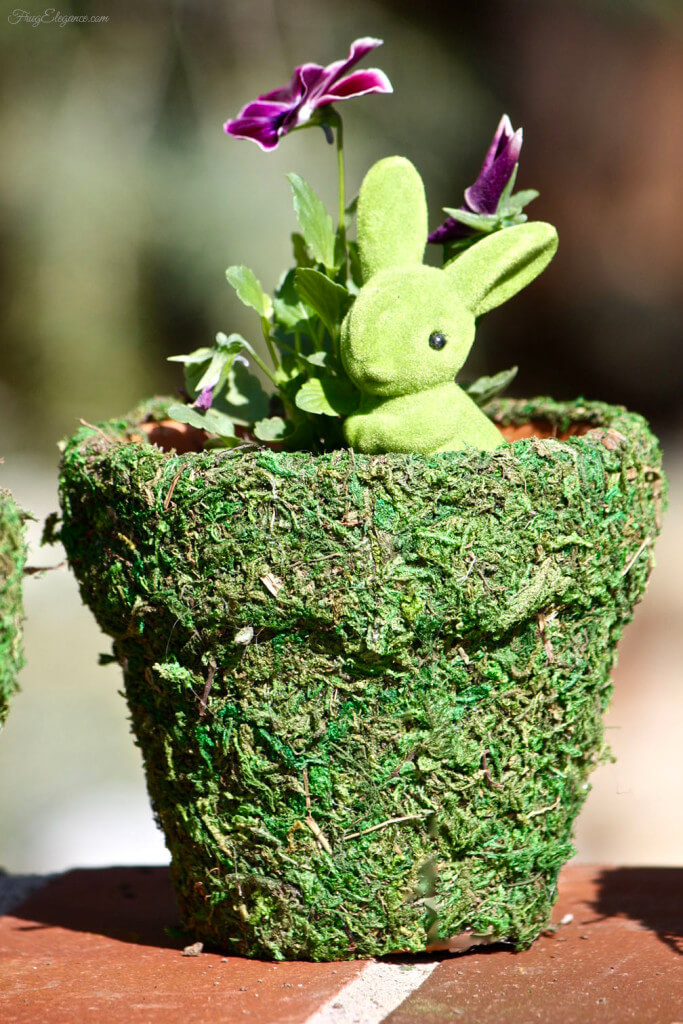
(272, 429)
(314, 220)
(249, 289)
(354, 265)
(484, 389)
(339, 251)
(289, 309)
(520, 200)
(212, 420)
(186, 414)
(288, 371)
(216, 372)
(350, 212)
(245, 388)
(318, 358)
(234, 343)
(456, 248)
(200, 355)
(219, 423)
(210, 367)
(479, 221)
(302, 256)
(196, 366)
(327, 396)
(244, 397)
(222, 359)
(329, 300)
(507, 191)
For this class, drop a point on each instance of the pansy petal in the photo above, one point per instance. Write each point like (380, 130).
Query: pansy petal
(357, 51)
(358, 84)
(203, 400)
(292, 92)
(336, 70)
(503, 132)
(484, 195)
(260, 109)
(262, 132)
(310, 76)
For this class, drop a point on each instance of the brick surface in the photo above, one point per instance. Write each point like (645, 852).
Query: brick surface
(92, 946)
(620, 959)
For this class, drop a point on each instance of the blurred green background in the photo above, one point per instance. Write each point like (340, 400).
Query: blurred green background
(122, 202)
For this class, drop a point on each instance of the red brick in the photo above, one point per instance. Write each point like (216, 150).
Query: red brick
(619, 960)
(91, 946)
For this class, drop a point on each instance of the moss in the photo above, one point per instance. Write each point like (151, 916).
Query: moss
(368, 689)
(12, 560)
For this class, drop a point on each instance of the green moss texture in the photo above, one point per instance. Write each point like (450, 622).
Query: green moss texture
(368, 689)
(12, 560)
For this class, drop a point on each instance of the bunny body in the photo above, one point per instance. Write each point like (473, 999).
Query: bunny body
(400, 425)
(410, 401)
(412, 326)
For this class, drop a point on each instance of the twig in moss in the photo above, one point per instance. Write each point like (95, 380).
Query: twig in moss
(487, 773)
(406, 760)
(385, 824)
(322, 558)
(646, 543)
(461, 579)
(272, 583)
(91, 426)
(310, 820)
(463, 654)
(543, 620)
(273, 486)
(31, 570)
(351, 470)
(207, 691)
(174, 481)
(544, 810)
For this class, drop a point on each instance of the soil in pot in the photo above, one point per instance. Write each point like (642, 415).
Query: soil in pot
(368, 689)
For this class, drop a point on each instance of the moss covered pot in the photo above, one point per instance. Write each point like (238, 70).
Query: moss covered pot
(12, 561)
(368, 689)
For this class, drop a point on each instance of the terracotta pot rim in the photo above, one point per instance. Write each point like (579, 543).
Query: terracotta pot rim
(517, 419)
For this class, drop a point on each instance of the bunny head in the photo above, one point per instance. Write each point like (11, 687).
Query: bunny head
(412, 326)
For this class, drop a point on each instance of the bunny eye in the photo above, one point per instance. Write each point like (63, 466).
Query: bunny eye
(437, 340)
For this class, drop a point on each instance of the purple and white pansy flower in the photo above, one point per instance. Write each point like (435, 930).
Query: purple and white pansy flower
(483, 197)
(312, 87)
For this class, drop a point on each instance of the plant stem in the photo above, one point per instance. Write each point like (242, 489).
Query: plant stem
(333, 120)
(259, 362)
(342, 196)
(265, 327)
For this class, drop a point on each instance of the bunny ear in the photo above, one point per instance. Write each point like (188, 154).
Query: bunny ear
(392, 216)
(493, 270)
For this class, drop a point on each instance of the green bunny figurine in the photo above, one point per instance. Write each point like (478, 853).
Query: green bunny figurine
(412, 326)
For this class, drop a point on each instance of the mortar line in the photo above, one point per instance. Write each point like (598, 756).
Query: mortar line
(374, 994)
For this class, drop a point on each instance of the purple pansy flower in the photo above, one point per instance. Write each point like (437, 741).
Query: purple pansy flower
(484, 195)
(312, 86)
